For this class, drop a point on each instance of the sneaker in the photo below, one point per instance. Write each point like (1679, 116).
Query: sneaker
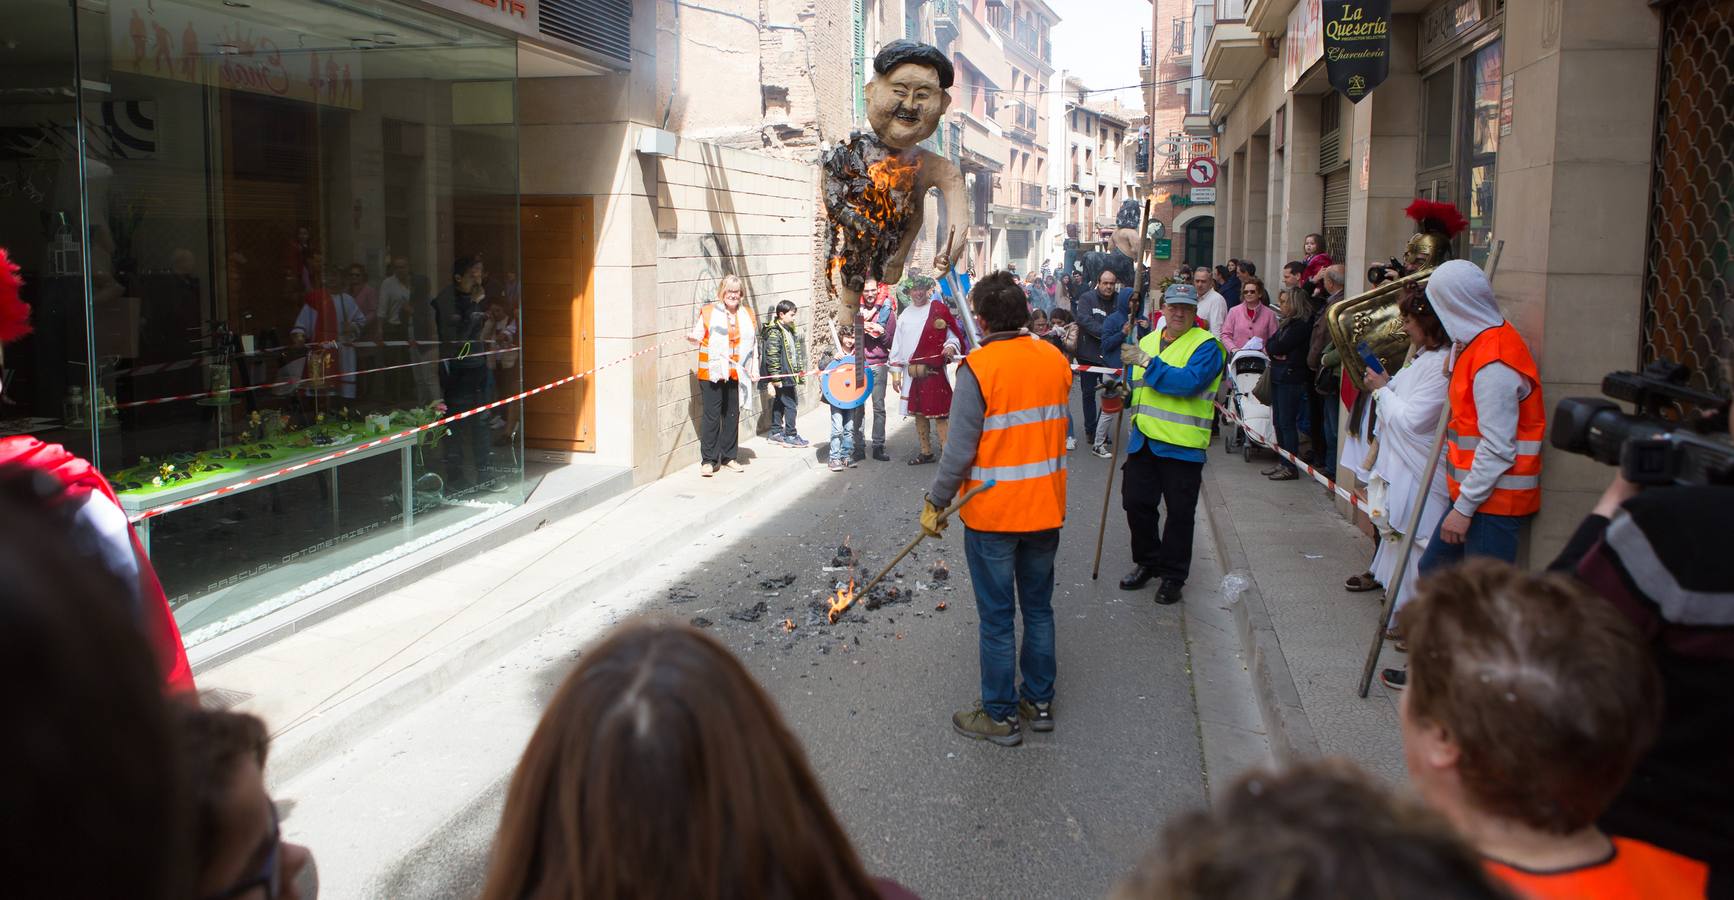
(776, 439)
(852, 461)
(706, 469)
(1071, 443)
(1102, 451)
(734, 465)
(1395, 679)
(978, 725)
(1039, 715)
(836, 465)
(880, 454)
(796, 441)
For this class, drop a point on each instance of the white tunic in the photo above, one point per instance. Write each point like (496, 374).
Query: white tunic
(1409, 409)
(349, 318)
(912, 323)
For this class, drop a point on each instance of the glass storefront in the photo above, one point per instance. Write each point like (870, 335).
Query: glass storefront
(240, 227)
(1459, 143)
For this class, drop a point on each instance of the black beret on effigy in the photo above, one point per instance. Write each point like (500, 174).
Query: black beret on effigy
(899, 52)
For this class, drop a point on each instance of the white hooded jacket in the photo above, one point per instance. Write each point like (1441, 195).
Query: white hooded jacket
(1463, 300)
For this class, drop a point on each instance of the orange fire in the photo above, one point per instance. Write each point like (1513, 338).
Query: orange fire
(840, 604)
(889, 176)
(788, 624)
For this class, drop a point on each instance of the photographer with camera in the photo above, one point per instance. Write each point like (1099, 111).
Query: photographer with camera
(1493, 451)
(1651, 548)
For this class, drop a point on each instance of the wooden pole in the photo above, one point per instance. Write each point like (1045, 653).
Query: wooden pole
(1421, 492)
(1108, 494)
(944, 515)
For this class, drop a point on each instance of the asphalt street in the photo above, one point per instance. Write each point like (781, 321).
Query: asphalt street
(1064, 815)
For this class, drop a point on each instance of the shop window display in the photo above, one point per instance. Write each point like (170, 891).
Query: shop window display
(262, 232)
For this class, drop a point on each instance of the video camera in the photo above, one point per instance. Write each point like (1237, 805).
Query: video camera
(1385, 271)
(1648, 446)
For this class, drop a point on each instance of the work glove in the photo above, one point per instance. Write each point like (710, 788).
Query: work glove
(1133, 355)
(931, 523)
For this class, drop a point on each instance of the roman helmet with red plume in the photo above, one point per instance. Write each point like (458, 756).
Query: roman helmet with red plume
(14, 312)
(1439, 223)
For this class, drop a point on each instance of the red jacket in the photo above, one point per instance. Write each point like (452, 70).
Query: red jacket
(80, 479)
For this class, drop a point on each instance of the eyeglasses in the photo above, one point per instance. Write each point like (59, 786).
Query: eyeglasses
(270, 874)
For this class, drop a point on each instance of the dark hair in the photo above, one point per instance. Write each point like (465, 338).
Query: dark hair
(1320, 829)
(1247, 266)
(1223, 272)
(1294, 266)
(462, 265)
(785, 306)
(212, 745)
(1001, 302)
(1548, 692)
(1414, 305)
(1038, 311)
(1251, 280)
(899, 52)
(1318, 241)
(843, 331)
(1130, 214)
(661, 769)
(94, 800)
(1062, 316)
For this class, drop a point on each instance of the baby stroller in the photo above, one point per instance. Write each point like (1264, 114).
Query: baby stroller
(1245, 370)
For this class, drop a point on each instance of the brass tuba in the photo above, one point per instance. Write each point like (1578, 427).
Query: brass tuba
(1373, 317)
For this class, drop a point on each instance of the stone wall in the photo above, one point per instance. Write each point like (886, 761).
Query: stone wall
(721, 211)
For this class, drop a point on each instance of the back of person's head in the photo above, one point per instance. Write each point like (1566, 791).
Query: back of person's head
(1001, 302)
(661, 769)
(1223, 272)
(1247, 268)
(92, 790)
(1320, 830)
(1334, 277)
(1528, 695)
(235, 835)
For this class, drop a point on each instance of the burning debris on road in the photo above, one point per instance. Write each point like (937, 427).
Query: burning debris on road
(750, 614)
(845, 557)
(778, 582)
(941, 607)
(886, 595)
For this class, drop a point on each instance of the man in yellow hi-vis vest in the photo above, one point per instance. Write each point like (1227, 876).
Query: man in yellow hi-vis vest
(1174, 373)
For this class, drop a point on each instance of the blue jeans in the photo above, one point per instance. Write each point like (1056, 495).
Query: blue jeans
(1009, 570)
(1289, 401)
(1328, 410)
(843, 433)
(1088, 382)
(783, 407)
(1489, 535)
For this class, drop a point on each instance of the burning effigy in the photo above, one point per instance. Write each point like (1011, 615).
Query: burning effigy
(875, 183)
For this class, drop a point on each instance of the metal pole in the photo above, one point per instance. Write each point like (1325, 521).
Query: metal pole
(1421, 493)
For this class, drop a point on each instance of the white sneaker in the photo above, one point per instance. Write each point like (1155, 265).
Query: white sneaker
(1071, 443)
(1102, 451)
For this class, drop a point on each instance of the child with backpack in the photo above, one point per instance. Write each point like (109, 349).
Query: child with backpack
(785, 355)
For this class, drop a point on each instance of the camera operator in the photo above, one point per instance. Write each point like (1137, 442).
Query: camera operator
(1659, 555)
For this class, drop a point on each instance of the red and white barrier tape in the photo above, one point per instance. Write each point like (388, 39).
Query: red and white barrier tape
(333, 376)
(1100, 370)
(179, 364)
(368, 445)
(1320, 477)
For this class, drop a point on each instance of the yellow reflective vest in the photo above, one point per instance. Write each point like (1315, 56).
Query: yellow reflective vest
(1181, 421)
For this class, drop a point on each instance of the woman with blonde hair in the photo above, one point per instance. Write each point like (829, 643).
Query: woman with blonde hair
(726, 335)
(660, 770)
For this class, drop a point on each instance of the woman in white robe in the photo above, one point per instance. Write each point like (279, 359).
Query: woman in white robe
(1409, 406)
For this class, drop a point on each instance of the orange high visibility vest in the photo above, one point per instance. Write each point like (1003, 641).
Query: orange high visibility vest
(1026, 384)
(1518, 491)
(1635, 870)
(734, 342)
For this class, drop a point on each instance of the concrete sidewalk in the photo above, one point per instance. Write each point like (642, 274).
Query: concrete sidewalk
(1286, 551)
(324, 686)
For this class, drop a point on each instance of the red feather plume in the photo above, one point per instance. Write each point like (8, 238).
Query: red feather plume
(1435, 216)
(14, 312)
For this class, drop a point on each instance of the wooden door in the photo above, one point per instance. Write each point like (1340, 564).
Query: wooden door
(558, 329)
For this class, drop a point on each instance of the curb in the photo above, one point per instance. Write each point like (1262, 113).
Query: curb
(1279, 703)
(294, 754)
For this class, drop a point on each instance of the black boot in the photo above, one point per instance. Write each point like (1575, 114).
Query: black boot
(1168, 593)
(1137, 578)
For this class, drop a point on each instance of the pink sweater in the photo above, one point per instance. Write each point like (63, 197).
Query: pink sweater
(1240, 326)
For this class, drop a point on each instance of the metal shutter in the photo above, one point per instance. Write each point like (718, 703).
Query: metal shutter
(604, 26)
(1336, 218)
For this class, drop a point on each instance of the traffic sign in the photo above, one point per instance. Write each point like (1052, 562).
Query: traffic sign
(1204, 195)
(1164, 248)
(1202, 172)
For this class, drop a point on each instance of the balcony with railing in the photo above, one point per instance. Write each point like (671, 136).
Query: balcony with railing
(1179, 47)
(1026, 35)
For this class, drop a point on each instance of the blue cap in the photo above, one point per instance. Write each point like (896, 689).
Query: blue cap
(1180, 292)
